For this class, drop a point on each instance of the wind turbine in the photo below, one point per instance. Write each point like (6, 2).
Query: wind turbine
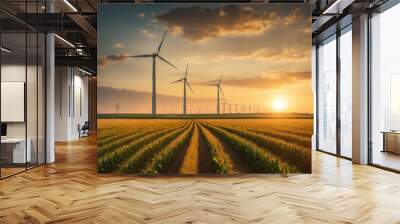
(154, 56)
(117, 108)
(185, 82)
(224, 103)
(218, 85)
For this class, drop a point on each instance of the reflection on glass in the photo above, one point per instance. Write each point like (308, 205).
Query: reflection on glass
(41, 99)
(31, 101)
(14, 153)
(385, 114)
(346, 94)
(327, 96)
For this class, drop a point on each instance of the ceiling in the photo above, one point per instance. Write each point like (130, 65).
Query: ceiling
(76, 21)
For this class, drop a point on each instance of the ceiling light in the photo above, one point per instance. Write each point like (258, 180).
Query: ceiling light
(84, 71)
(5, 50)
(70, 5)
(337, 7)
(65, 41)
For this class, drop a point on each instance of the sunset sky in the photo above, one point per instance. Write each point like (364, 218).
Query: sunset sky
(263, 51)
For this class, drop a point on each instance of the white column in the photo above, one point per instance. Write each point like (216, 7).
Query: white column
(50, 100)
(50, 92)
(314, 91)
(360, 90)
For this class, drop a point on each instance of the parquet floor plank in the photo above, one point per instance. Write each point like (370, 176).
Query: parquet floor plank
(71, 191)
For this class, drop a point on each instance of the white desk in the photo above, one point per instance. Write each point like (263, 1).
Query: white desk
(18, 147)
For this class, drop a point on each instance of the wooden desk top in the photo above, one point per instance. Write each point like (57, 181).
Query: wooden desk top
(391, 132)
(13, 140)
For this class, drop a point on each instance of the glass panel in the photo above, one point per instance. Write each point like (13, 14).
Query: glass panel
(386, 89)
(13, 87)
(23, 90)
(31, 100)
(327, 96)
(41, 98)
(346, 93)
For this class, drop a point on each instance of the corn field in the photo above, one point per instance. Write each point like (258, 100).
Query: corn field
(196, 146)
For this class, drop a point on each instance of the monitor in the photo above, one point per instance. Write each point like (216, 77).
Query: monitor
(3, 129)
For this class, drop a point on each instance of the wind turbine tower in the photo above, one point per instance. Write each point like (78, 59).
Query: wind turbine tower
(154, 56)
(185, 82)
(117, 108)
(219, 89)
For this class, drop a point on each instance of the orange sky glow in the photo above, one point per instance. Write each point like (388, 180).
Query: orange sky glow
(263, 52)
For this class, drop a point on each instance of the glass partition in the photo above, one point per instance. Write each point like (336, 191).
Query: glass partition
(385, 89)
(22, 67)
(327, 95)
(13, 105)
(346, 92)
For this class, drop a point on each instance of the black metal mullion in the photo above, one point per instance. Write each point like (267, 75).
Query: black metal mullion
(0, 93)
(338, 98)
(37, 91)
(73, 92)
(26, 87)
(369, 90)
(45, 95)
(317, 96)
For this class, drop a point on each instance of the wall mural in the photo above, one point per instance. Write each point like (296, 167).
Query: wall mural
(204, 88)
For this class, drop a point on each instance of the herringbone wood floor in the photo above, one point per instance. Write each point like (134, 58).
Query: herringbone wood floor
(70, 191)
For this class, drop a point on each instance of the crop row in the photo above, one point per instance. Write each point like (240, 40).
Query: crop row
(295, 139)
(279, 134)
(104, 134)
(116, 136)
(219, 159)
(253, 155)
(166, 155)
(291, 153)
(136, 162)
(128, 139)
(111, 161)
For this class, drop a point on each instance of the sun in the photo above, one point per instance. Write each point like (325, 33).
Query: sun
(279, 104)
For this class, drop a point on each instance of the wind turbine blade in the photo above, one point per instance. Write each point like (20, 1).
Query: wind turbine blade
(162, 41)
(220, 79)
(189, 86)
(165, 60)
(186, 72)
(222, 91)
(176, 81)
(141, 56)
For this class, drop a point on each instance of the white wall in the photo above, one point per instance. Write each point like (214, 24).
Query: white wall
(71, 94)
(16, 73)
(314, 91)
(33, 127)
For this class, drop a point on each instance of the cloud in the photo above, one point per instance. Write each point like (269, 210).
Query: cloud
(199, 23)
(293, 17)
(111, 59)
(141, 15)
(280, 54)
(118, 45)
(147, 33)
(274, 81)
(271, 55)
